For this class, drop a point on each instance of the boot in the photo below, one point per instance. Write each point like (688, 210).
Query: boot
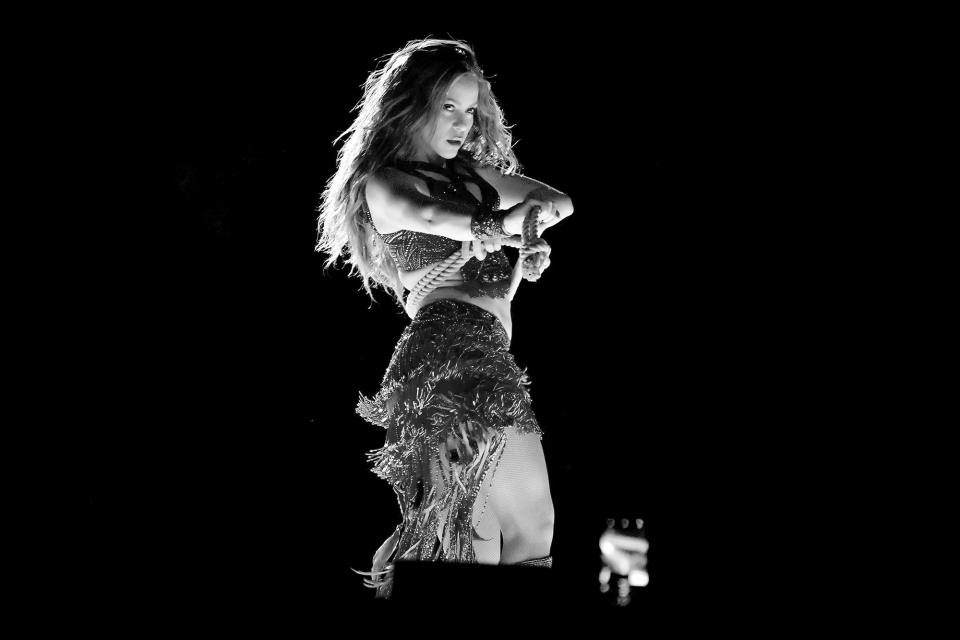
(545, 561)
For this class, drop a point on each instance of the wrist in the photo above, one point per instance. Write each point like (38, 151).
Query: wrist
(488, 224)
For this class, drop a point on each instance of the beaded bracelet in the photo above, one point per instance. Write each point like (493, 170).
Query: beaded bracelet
(487, 224)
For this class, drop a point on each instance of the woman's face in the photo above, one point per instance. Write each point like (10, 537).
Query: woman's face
(440, 140)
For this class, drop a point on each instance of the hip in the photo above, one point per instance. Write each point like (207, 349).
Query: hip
(499, 308)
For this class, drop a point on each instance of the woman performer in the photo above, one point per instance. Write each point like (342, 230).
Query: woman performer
(425, 196)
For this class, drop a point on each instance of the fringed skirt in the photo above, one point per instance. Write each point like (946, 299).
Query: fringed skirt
(450, 391)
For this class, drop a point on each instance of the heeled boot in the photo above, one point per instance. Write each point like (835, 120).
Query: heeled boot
(545, 561)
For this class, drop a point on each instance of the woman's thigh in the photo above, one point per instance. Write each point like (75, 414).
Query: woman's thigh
(517, 495)
(486, 530)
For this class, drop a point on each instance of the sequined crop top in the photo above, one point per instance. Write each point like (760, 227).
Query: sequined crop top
(413, 250)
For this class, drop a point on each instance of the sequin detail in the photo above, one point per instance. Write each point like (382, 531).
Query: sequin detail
(487, 224)
(451, 389)
(545, 562)
(412, 250)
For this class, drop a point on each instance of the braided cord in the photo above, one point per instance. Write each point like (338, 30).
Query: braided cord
(434, 277)
(531, 266)
(442, 270)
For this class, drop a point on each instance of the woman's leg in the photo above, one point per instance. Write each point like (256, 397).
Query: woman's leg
(487, 547)
(486, 535)
(519, 503)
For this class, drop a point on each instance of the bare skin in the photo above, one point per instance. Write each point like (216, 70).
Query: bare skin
(516, 505)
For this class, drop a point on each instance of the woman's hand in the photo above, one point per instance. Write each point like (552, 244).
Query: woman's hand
(548, 216)
(481, 248)
(540, 251)
(547, 194)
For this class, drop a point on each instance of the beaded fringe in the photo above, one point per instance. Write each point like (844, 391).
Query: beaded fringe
(451, 391)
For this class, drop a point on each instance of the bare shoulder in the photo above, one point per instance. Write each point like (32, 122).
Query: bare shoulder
(392, 180)
(507, 186)
(488, 173)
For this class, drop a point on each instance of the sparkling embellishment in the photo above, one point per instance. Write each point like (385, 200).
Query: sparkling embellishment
(412, 250)
(451, 379)
(487, 224)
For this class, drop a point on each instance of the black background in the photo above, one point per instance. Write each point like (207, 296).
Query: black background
(214, 452)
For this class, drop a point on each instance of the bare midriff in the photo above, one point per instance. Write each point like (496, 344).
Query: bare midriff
(499, 307)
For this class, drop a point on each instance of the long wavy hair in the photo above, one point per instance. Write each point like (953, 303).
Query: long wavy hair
(401, 97)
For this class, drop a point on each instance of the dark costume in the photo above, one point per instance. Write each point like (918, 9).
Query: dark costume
(451, 390)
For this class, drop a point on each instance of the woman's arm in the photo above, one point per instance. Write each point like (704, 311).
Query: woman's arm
(395, 203)
(516, 188)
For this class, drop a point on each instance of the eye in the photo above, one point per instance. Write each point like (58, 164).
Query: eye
(472, 110)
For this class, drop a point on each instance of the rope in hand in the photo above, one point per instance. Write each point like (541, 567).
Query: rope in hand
(440, 271)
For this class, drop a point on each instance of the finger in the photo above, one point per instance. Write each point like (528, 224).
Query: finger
(545, 213)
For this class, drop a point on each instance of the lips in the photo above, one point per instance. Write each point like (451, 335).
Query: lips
(454, 140)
